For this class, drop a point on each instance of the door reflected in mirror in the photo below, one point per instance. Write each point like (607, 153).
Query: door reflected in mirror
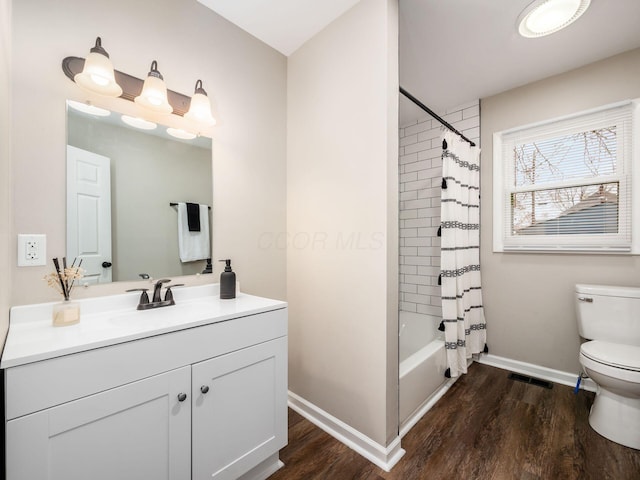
(121, 181)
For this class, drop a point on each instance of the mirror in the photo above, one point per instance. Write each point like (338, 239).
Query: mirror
(121, 182)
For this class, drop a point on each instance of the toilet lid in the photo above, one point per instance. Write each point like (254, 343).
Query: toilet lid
(615, 354)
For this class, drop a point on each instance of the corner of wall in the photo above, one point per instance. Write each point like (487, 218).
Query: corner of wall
(393, 85)
(5, 167)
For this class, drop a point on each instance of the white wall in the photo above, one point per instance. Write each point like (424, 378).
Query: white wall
(245, 79)
(5, 166)
(528, 298)
(420, 189)
(342, 219)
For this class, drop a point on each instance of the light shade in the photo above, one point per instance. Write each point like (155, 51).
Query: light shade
(200, 107)
(97, 75)
(154, 92)
(544, 17)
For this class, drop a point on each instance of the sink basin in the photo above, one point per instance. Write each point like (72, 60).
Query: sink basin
(165, 316)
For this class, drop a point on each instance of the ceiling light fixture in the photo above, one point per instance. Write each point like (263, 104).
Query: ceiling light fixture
(154, 92)
(97, 75)
(544, 17)
(200, 107)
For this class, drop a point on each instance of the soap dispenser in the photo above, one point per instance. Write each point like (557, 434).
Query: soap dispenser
(227, 282)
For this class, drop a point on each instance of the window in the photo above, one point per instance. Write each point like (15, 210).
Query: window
(566, 184)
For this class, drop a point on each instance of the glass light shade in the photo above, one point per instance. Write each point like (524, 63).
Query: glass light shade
(88, 108)
(138, 122)
(181, 134)
(200, 107)
(544, 17)
(97, 75)
(154, 92)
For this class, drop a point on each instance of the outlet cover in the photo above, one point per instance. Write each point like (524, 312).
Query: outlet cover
(32, 250)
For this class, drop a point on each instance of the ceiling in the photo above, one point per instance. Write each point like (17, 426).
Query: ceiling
(454, 51)
(283, 24)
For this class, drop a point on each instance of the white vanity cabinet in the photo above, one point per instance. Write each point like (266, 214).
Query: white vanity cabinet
(197, 403)
(238, 419)
(139, 430)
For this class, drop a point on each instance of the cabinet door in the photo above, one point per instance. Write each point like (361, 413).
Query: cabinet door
(138, 431)
(239, 410)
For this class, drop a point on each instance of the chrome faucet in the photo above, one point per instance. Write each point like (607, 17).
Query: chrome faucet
(156, 302)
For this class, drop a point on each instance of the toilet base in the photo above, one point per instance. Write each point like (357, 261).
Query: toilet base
(617, 418)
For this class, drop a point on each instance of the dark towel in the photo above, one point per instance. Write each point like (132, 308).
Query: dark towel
(193, 216)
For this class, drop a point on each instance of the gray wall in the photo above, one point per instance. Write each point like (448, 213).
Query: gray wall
(245, 80)
(342, 253)
(529, 297)
(5, 167)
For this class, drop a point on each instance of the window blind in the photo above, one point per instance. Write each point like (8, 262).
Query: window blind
(566, 183)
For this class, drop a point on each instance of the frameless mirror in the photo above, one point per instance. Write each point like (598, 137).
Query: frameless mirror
(121, 184)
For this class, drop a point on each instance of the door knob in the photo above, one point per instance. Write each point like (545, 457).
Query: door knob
(106, 264)
(182, 397)
(204, 388)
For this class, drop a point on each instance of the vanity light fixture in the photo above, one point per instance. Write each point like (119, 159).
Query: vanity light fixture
(97, 75)
(138, 122)
(154, 92)
(180, 133)
(200, 108)
(88, 108)
(544, 17)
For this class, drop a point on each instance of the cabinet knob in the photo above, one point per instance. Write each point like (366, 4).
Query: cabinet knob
(204, 388)
(182, 397)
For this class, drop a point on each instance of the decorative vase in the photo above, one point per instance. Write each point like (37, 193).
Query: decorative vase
(66, 313)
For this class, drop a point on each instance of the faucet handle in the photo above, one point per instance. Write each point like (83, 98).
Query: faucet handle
(144, 297)
(168, 296)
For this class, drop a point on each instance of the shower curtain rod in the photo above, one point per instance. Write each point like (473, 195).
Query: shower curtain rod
(434, 115)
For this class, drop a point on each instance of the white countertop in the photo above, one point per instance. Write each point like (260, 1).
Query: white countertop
(114, 319)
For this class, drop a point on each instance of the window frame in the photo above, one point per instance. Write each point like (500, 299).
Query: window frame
(627, 240)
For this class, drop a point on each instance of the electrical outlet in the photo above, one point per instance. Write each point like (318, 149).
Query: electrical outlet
(32, 250)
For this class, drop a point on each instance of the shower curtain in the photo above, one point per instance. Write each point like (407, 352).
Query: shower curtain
(462, 312)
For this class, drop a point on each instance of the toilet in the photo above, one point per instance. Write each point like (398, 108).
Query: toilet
(609, 319)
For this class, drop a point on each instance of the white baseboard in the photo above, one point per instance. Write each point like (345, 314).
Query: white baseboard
(383, 457)
(544, 373)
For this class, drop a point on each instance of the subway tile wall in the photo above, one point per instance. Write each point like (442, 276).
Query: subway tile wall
(420, 179)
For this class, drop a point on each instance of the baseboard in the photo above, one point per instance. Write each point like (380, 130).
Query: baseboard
(383, 457)
(544, 373)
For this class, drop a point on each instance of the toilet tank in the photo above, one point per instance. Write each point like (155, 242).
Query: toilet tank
(608, 313)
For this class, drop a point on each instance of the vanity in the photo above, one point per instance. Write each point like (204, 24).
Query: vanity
(197, 390)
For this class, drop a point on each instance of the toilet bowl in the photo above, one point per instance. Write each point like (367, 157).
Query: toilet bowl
(615, 413)
(609, 319)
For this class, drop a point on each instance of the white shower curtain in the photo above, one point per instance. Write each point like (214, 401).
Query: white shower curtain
(462, 312)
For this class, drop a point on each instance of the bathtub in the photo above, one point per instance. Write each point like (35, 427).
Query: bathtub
(422, 366)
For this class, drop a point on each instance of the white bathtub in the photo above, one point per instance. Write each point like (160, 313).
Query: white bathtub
(422, 366)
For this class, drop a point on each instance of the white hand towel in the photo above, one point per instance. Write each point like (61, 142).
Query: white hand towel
(193, 245)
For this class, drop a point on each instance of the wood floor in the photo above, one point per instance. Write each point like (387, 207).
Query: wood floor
(485, 427)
